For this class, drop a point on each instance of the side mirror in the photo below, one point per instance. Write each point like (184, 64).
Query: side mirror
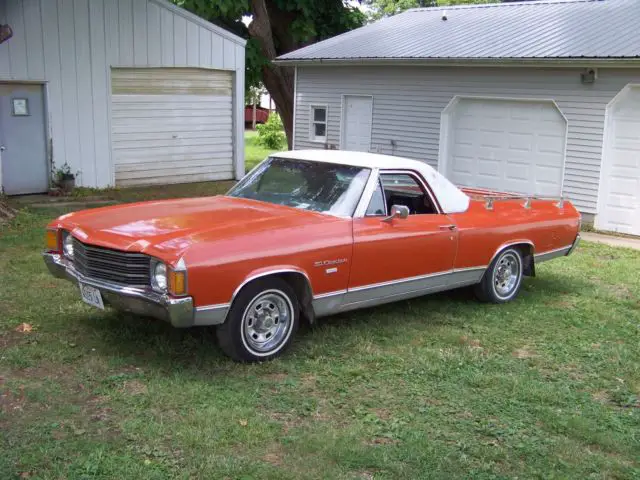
(397, 211)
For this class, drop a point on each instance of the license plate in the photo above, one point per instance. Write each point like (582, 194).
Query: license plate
(91, 296)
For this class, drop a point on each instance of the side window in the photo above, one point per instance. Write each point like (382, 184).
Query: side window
(377, 205)
(404, 189)
(318, 124)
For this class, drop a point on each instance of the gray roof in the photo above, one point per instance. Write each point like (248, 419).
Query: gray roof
(541, 30)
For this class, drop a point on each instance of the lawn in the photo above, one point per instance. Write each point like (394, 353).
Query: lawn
(253, 152)
(439, 387)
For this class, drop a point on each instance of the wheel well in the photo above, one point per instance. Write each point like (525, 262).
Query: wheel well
(529, 267)
(300, 285)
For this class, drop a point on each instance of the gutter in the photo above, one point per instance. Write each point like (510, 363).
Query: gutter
(584, 62)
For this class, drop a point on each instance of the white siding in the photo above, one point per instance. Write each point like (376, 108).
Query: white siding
(71, 45)
(408, 102)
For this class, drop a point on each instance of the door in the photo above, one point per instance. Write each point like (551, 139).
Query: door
(507, 145)
(23, 152)
(400, 258)
(619, 204)
(171, 125)
(357, 119)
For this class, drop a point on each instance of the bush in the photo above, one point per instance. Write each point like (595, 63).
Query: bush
(271, 134)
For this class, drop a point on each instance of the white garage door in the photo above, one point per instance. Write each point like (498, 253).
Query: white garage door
(171, 125)
(515, 146)
(619, 202)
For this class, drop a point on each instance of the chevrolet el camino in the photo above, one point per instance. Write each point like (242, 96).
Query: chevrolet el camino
(304, 235)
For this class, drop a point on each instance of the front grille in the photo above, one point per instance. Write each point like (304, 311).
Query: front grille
(124, 268)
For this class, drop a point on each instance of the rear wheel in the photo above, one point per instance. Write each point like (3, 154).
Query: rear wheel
(502, 280)
(262, 321)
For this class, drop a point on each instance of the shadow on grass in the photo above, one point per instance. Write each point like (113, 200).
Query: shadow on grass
(160, 346)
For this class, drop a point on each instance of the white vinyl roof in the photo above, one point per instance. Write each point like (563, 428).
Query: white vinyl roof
(450, 197)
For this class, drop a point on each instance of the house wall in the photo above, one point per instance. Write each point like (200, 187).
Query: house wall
(408, 102)
(71, 45)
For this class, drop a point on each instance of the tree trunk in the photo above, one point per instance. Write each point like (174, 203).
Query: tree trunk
(278, 80)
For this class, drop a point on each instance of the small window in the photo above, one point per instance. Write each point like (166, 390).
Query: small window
(404, 189)
(319, 124)
(377, 205)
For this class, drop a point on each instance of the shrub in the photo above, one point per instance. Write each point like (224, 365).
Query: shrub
(271, 134)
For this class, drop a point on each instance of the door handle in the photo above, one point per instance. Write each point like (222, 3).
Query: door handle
(447, 227)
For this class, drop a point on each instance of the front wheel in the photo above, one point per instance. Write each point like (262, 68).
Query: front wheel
(262, 321)
(501, 282)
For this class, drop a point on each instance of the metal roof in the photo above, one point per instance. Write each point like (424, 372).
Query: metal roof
(541, 30)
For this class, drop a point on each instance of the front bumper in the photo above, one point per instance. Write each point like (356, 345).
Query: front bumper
(179, 312)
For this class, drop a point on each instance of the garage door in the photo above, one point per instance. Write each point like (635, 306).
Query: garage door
(619, 202)
(515, 146)
(171, 125)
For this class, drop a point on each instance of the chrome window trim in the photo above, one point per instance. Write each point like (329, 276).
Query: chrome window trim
(421, 181)
(367, 193)
(384, 202)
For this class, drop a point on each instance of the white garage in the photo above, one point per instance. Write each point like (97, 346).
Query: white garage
(619, 205)
(171, 125)
(499, 144)
(120, 92)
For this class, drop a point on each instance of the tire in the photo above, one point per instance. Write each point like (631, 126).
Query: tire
(502, 280)
(249, 335)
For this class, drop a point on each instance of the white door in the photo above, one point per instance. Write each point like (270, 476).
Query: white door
(506, 145)
(619, 199)
(171, 125)
(356, 121)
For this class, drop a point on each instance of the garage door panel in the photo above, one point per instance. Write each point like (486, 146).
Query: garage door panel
(619, 203)
(171, 123)
(516, 146)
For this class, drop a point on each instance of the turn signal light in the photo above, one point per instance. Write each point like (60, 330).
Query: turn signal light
(177, 283)
(51, 240)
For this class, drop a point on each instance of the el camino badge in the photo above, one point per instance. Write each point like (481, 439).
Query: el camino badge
(325, 263)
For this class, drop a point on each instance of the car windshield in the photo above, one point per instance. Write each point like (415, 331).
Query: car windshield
(315, 186)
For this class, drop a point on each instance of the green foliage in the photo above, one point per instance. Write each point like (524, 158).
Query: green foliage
(384, 8)
(271, 134)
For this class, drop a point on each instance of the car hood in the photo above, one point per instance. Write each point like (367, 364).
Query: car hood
(167, 228)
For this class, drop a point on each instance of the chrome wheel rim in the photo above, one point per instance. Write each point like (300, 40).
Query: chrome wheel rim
(506, 274)
(266, 323)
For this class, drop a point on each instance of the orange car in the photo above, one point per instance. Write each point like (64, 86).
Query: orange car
(304, 235)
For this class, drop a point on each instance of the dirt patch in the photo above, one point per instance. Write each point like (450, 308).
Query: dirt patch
(381, 441)
(287, 420)
(11, 402)
(134, 387)
(601, 396)
(276, 377)
(6, 212)
(524, 352)
(381, 413)
(274, 456)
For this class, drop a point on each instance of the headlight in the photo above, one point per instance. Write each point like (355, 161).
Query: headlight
(67, 245)
(159, 277)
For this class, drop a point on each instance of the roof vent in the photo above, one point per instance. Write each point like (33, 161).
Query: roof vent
(444, 15)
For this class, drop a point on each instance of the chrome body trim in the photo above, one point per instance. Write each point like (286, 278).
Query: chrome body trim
(211, 314)
(141, 301)
(327, 303)
(551, 254)
(267, 273)
(511, 244)
(421, 181)
(386, 292)
(575, 244)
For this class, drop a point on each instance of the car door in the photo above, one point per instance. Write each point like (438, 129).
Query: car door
(400, 257)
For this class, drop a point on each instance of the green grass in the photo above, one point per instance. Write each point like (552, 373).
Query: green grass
(439, 387)
(253, 152)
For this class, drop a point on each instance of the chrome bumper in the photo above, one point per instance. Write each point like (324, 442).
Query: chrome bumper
(180, 312)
